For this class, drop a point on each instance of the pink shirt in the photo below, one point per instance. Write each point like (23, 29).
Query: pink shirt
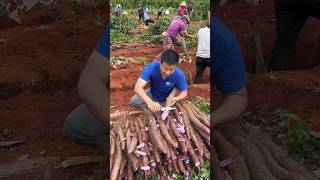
(176, 27)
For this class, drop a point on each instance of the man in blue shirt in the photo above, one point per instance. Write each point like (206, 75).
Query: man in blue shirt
(228, 73)
(165, 79)
(86, 124)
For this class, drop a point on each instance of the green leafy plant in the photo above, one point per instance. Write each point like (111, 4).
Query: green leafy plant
(291, 131)
(6, 134)
(159, 26)
(127, 4)
(202, 104)
(154, 33)
(200, 7)
(123, 24)
(200, 10)
(2, 8)
(119, 37)
(203, 173)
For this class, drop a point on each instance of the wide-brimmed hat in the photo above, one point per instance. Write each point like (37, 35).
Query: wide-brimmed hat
(183, 3)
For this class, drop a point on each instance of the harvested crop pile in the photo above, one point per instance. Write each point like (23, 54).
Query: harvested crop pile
(155, 144)
(246, 153)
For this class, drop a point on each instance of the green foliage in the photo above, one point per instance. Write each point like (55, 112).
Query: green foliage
(129, 4)
(190, 41)
(291, 131)
(123, 24)
(155, 39)
(155, 30)
(203, 173)
(6, 134)
(202, 104)
(200, 10)
(2, 8)
(200, 7)
(118, 37)
(159, 26)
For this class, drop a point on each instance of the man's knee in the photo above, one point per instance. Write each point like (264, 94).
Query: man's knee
(71, 123)
(135, 101)
(82, 127)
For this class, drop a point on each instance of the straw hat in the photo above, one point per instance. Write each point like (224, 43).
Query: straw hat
(183, 3)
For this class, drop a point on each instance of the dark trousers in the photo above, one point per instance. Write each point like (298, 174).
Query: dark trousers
(201, 64)
(148, 21)
(291, 15)
(140, 17)
(159, 14)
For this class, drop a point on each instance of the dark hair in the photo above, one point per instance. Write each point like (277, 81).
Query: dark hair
(170, 57)
(214, 5)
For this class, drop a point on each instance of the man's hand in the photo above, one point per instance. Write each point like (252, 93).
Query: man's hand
(154, 106)
(171, 101)
(169, 98)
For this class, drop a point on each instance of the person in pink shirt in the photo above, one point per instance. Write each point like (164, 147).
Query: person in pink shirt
(176, 33)
(182, 8)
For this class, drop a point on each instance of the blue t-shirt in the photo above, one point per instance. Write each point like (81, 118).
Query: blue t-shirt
(228, 73)
(161, 88)
(103, 46)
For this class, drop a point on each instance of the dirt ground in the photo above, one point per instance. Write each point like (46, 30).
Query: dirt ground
(123, 79)
(41, 61)
(296, 90)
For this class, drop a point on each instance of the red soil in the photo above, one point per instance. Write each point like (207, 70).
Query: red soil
(295, 90)
(39, 66)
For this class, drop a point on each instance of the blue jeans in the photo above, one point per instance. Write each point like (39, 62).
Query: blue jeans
(137, 102)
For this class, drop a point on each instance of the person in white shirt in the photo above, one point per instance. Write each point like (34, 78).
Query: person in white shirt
(203, 53)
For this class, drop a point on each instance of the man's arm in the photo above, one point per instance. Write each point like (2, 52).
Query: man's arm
(232, 107)
(169, 98)
(138, 89)
(186, 34)
(181, 96)
(92, 86)
(172, 99)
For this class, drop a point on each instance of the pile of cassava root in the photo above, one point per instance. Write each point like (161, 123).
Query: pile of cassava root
(153, 145)
(247, 153)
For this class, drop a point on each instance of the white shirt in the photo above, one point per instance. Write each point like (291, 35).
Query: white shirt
(204, 43)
